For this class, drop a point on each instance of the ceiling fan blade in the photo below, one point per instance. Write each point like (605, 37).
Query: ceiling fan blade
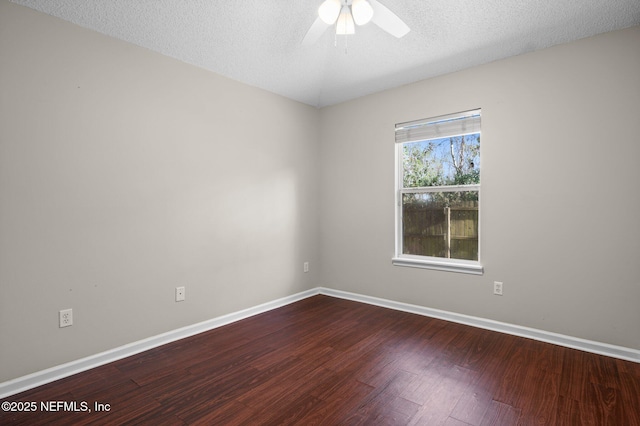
(317, 29)
(387, 20)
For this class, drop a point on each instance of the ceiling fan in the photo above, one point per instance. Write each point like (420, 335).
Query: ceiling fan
(345, 14)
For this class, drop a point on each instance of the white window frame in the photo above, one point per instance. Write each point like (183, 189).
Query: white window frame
(430, 262)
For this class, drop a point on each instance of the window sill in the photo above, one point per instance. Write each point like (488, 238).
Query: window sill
(461, 266)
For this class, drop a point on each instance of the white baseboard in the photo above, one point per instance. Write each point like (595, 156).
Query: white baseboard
(600, 348)
(49, 375)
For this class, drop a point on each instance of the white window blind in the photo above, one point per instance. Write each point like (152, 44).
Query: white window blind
(463, 123)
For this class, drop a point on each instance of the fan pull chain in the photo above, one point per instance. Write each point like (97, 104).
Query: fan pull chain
(335, 43)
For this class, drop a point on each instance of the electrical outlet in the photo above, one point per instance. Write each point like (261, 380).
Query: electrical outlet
(65, 317)
(305, 267)
(180, 294)
(497, 288)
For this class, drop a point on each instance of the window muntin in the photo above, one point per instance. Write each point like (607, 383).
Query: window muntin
(438, 191)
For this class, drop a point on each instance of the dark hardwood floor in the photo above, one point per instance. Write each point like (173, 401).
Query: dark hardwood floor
(330, 361)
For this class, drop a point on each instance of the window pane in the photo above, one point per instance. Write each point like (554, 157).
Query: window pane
(440, 224)
(437, 162)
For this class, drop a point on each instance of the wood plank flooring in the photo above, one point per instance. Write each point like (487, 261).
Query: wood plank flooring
(335, 362)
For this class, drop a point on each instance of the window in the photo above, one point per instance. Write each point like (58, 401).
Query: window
(438, 193)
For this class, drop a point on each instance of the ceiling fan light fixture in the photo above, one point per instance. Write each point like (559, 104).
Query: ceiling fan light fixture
(362, 11)
(343, 15)
(329, 11)
(345, 25)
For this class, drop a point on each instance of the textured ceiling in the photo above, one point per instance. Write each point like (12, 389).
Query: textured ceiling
(258, 41)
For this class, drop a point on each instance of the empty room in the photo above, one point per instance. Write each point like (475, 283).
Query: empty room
(320, 212)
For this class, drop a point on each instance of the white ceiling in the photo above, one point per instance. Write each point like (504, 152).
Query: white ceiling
(258, 41)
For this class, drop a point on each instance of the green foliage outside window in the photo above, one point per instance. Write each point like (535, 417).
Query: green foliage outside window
(442, 162)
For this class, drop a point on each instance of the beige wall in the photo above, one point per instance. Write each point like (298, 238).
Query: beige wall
(560, 199)
(124, 174)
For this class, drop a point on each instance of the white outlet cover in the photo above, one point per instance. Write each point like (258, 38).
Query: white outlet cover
(65, 317)
(180, 295)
